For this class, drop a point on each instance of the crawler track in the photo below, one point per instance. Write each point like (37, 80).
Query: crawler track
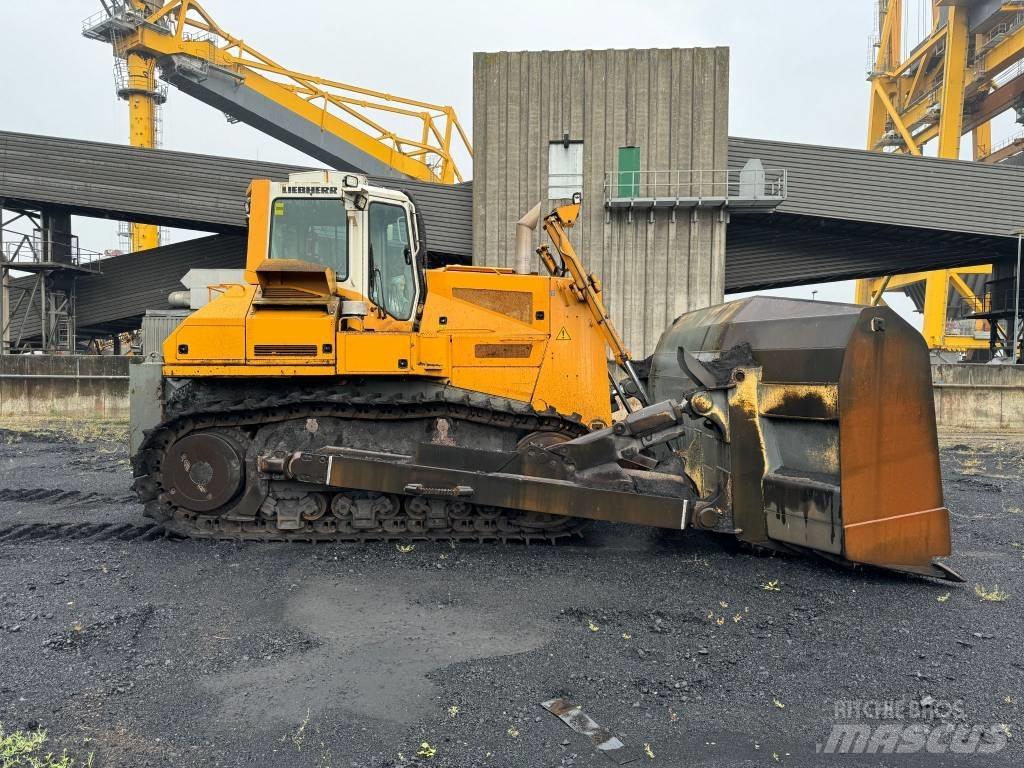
(357, 414)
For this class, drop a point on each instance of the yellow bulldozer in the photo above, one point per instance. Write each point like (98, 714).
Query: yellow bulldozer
(343, 391)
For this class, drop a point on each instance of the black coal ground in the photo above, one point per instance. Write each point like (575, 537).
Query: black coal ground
(157, 652)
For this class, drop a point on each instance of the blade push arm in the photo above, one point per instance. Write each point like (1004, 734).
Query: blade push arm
(583, 477)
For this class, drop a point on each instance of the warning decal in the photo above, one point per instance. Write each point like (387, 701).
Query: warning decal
(563, 335)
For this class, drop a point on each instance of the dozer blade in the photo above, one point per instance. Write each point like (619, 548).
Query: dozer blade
(834, 447)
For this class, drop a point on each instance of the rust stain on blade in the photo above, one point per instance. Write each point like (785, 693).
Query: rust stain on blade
(892, 503)
(582, 723)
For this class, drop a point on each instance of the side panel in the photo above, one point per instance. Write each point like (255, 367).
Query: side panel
(516, 383)
(574, 374)
(432, 354)
(259, 227)
(520, 336)
(145, 400)
(893, 510)
(366, 352)
(504, 351)
(210, 344)
(213, 334)
(498, 326)
(290, 336)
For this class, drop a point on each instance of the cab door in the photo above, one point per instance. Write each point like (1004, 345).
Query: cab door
(387, 342)
(392, 279)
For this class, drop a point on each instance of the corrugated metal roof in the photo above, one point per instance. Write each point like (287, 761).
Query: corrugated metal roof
(853, 213)
(130, 284)
(850, 213)
(182, 189)
(782, 249)
(764, 252)
(203, 191)
(899, 190)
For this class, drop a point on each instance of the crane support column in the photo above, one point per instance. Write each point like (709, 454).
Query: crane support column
(937, 92)
(862, 291)
(951, 118)
(143, 98)
(982, 136)
(936, 291)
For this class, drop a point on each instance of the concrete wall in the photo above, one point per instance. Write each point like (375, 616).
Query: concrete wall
(979, 398)
(75, 386)
(672, 103)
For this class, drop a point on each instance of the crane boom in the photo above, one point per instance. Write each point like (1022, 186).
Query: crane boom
(346, 126)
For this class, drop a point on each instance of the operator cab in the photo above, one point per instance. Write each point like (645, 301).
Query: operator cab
(366, 235)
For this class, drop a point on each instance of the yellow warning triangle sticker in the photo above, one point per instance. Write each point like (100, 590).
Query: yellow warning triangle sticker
(563, 335)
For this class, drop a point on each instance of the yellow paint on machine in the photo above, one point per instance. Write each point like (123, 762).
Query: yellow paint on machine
(479, 329)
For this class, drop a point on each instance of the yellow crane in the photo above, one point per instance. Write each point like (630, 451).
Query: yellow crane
(346, 126)
(965, 72)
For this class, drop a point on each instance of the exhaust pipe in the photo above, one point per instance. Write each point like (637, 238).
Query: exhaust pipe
(524, 239)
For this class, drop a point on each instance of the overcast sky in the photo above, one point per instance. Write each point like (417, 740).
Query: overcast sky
(797, 67)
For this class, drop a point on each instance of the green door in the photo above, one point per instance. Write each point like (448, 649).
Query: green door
(629, 171)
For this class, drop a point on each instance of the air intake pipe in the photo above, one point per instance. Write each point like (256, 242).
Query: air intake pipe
(180, 299)
(524, 239)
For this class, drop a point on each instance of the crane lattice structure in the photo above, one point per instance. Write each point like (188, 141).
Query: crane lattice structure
(965, 71)
(346, 126)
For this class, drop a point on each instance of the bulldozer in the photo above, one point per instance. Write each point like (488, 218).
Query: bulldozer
(344, 391)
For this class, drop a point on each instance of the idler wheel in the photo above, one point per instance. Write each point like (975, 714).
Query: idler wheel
(203, 471)
(543, 439)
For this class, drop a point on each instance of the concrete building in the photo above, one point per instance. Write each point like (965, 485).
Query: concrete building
(549, 123)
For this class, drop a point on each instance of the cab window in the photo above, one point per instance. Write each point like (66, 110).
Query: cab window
(313, 230)
(392, 276)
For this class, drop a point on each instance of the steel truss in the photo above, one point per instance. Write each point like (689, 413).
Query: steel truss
(964, 73)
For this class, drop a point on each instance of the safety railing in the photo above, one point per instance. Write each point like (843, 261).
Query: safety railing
(1000, 297)
(972, 329)
(30, 250)
(724, 186)
(1003, 300)
(119, 17)
(932, 95)
(998, 33)
(1017, 138)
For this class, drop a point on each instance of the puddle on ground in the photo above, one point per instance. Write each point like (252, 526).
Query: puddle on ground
(377, 646)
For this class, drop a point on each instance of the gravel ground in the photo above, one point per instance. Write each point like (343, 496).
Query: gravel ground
(157, 652)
